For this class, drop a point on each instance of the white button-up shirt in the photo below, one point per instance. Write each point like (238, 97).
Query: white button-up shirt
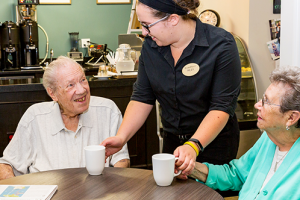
(42, 142)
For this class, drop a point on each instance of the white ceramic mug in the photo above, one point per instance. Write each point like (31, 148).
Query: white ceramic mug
(94, 159)
(163, 168)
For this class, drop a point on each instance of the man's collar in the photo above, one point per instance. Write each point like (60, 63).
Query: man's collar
(85, 119)
(56, 121)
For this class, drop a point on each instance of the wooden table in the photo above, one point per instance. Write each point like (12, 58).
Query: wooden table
(114, 183)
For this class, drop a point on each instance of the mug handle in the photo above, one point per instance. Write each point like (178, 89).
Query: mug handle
(179, 170)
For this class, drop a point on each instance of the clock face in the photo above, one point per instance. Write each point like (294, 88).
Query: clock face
(210, 17)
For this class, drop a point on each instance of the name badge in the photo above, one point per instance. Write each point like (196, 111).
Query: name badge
(190, 69)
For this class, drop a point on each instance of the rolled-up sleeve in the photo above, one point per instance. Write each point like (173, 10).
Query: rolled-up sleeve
(227, 78)
(142, 90)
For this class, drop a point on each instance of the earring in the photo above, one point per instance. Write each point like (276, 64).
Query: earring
(287, 127)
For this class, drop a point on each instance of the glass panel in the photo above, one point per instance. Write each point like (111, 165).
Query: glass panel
(245, 110)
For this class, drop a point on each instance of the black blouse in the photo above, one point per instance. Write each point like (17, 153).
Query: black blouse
(185, 100)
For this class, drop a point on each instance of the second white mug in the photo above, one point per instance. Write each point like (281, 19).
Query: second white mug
(163, 168)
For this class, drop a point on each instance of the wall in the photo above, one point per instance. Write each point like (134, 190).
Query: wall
(259, 34)
(232, 19)
(101, 23)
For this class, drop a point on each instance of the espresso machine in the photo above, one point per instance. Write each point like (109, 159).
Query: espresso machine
(10, 46)
(26, 16)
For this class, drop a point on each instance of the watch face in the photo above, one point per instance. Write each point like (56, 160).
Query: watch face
(210, 17)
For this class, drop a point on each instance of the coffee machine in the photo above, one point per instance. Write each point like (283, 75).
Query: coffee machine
(10, 46)
(26, 16)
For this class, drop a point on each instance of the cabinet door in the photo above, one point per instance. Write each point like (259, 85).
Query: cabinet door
(12, 107)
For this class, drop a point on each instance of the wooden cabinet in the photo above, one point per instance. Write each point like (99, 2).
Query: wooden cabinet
(15, 99)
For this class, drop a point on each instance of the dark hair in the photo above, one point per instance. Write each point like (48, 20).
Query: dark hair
(190, 5)
(291, 99)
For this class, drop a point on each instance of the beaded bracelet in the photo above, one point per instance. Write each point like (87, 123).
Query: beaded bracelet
(193, 146)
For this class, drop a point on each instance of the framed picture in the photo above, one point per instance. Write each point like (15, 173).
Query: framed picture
(113, 1)
(55, 1)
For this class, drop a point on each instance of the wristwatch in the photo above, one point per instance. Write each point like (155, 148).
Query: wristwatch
(197, 142)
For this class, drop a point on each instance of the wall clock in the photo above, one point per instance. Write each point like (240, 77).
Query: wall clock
(210, 17)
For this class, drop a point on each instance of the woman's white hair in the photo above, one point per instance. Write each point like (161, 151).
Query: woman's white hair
(50, 73)
(289, 75)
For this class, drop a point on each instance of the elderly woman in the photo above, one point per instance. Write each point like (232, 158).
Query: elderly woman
(270, 169)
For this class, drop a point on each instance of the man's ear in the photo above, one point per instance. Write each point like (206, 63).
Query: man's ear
(51, 94)
(293, 118)
(174, 19)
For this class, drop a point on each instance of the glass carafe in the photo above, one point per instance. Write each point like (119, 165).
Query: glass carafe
(124, 61)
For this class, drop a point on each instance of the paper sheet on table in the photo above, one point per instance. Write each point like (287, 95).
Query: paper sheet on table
(27, 192)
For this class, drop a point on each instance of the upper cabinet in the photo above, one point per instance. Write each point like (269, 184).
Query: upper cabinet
(245, 110)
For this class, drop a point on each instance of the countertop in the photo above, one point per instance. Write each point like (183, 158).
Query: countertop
(39, 72)
(35, 84)
(31, 80)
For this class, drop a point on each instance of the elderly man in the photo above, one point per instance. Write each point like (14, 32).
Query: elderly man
(52, 135)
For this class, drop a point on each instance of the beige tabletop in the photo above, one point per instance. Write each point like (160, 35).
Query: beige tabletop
(114, 183)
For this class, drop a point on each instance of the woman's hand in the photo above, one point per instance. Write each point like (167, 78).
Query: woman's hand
(112, 145)
(200, 172)
(186, 160)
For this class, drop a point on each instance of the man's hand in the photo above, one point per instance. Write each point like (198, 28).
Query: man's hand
(6, 171)
(125, 163)
(112, 145)
(186, 159)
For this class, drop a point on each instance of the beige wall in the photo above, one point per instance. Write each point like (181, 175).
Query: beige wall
(260, 14)
(234, 15)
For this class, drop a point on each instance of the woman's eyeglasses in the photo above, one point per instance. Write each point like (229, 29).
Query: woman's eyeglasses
(148, 26)
(265, 101)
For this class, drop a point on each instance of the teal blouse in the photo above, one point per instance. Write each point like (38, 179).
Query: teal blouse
(248, 173)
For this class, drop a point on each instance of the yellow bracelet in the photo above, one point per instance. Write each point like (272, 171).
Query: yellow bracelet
(193, 146)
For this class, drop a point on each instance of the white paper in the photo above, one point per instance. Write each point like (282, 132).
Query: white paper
(27, 192)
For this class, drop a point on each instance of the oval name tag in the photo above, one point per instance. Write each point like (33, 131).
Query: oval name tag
(190, 69)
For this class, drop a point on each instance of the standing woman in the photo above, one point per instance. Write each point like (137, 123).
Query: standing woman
(194, 71)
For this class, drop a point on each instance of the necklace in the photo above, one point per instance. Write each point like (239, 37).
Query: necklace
(277, 162)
